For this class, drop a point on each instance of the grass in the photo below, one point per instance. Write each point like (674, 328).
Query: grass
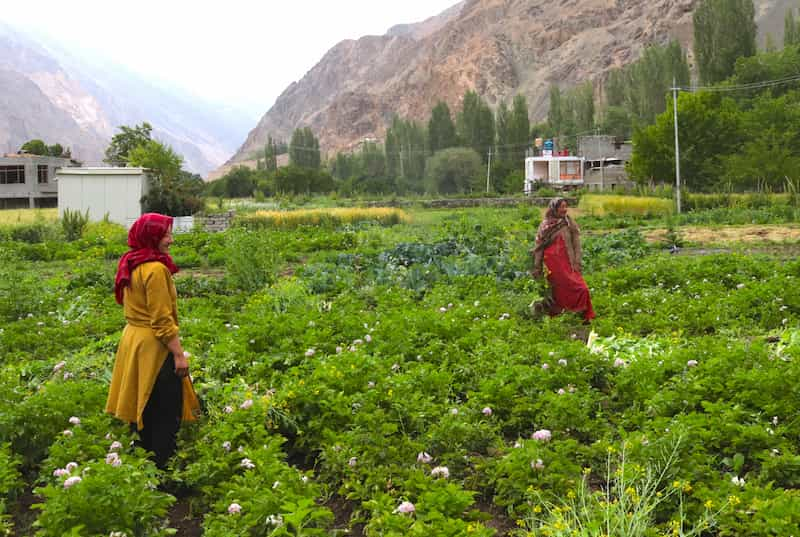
(27, 216)
(323, 217)
(600, 205)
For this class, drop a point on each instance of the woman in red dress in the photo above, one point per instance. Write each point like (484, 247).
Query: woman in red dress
(558, 244)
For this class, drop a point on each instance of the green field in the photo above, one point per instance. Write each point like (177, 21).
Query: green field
(350, 371)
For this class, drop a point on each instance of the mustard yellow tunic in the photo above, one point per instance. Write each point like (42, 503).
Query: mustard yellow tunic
(151, 310)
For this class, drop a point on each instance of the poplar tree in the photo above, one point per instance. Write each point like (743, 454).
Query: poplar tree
(724, 30)
(441, 129)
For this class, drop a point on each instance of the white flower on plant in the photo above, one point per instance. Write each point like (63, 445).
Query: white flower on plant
(358, 341)
(71, 466)
(339, 349)
(75, 479)
(691, 363)
(738, 481)
(234, 509)
(60, 365)
(276, 484)
(67, 433)
(561, 391)
(351, 348)
(440, 471)
(395, 367)
(517, 444)
(775, 420)
(542, 435)
(442, 310)
(275, 520)
(619, 362)
(228, 409)
(117, 534)
(304, 479)
(247, 463)
(352, 462)
(454, 411)
(368, 338)
(310, 353)
(246, 404)
(60, 472)
(68, 375)
(740, 286)
(571, 388)
(545, 366)
(115, 445)
(562, 362)
(504, 316)
(487, 411)
(370, 384)
(111, 458)
(537, 464)
(405, 508)
(775, 452)
(476, 303)
(424, 458)
(226, 445)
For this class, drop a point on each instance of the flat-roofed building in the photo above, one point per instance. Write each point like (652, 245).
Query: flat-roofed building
(28, 181)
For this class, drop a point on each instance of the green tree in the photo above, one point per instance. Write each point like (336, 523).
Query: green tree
(441, 129)
(122, 144)
(455, 170)
(270, 155)
(724, 30)
(475, 124)
(239, 182)
(502, 122)
(637, 93)
(519, 131)
(35, 147)
(304, 149)
(405, 154)
(55, 150)
(791, 35)
(770, 154)
(710, 128)
(172, 191)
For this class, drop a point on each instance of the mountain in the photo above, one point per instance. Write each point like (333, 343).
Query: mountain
(499, 48)
(79, 100)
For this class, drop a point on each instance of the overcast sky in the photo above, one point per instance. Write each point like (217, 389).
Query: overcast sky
(240, 50)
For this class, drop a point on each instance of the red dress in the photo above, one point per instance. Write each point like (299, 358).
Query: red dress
(570, 291)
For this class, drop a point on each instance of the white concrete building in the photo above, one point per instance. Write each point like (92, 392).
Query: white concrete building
(116, 192)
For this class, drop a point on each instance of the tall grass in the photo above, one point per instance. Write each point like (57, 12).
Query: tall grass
(600, 205)
(27, 216)
(386, 216)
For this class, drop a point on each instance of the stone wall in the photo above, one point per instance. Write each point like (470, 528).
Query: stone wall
(215, 223)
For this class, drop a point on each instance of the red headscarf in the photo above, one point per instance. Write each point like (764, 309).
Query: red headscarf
(143, 238)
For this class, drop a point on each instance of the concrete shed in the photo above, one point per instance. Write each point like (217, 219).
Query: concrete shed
(114, 191)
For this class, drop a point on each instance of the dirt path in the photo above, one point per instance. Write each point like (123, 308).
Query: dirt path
(725, 235)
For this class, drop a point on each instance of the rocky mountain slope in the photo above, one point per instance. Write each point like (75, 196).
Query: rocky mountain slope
(499, 48)
(49, 93)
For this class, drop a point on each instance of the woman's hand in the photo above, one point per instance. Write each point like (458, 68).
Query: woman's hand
(182, 364)
(536, 273)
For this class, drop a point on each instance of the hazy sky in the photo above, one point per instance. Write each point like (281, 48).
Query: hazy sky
(232, 50)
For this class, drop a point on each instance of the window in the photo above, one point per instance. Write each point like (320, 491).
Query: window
(41, 173)
(12, 175)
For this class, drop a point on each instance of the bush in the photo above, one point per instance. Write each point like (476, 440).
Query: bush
(73, 223)
(251, 261)
(455, 170)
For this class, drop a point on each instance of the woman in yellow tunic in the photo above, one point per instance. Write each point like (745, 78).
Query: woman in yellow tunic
(150, 387)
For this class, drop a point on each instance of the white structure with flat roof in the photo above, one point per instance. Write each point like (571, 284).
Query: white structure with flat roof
(116, 192)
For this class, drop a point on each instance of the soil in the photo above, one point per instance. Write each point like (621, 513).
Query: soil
(182, 519)
(726, 235)
(342, 512)
(23, 514)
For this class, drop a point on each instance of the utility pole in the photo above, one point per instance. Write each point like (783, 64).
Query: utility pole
(488, 170)
(402, 175)
(677, 148)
